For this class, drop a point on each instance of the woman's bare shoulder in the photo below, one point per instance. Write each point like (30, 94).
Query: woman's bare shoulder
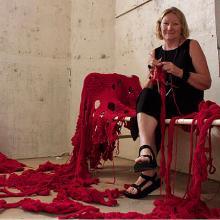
(194, 43)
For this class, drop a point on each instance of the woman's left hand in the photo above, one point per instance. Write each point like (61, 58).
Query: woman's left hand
(172, 68)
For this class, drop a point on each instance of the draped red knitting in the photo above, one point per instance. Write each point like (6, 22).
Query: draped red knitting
(106, 99)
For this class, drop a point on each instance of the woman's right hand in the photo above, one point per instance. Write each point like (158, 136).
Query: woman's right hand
(152, 63)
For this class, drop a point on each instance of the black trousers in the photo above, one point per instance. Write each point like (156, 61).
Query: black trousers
(149, 102)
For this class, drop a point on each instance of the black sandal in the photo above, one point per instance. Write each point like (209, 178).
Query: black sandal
(146, 165)
(156, 182)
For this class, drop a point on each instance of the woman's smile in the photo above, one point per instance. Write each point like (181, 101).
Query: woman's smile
(170, 27)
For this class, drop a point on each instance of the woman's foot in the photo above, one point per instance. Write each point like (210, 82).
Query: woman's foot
(146, 159)
(142, 157)
(147, 182)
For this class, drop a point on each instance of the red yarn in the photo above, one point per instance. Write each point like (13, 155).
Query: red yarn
(191, 206)
(159, 80)
(9, 165)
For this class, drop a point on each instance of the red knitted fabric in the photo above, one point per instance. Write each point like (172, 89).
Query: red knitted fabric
(104, 97)
(9, 165)
(191, 206)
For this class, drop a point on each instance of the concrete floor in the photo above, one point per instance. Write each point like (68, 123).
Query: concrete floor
(123, 174)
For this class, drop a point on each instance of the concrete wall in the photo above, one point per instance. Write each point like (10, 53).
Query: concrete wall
(46, 50)
(48, 47)
(217, 17)
(135, 38)
(92, 45)
(34, 89)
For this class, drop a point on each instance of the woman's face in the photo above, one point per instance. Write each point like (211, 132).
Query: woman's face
(170, 27)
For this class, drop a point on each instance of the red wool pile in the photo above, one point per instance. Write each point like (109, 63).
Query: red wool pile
(9, 165)
(104, 97)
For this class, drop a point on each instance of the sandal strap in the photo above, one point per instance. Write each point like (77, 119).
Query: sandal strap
(151, 150)
(149, 178)
(137, 187)
(146, 179)
(148, 156)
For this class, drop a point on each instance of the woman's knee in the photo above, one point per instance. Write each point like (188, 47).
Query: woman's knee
(149, 102)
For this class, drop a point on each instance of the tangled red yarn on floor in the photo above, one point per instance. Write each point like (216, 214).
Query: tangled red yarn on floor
(106, 99)
(9, 165)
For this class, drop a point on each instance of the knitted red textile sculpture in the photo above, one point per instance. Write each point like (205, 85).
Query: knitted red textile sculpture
(190, 206)
(104, 97)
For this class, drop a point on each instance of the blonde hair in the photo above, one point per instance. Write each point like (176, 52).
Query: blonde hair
(182, 18)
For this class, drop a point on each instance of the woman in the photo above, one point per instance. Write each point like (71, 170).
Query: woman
(187, 76)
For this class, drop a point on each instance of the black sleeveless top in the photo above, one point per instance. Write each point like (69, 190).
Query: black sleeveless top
(187, 97)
